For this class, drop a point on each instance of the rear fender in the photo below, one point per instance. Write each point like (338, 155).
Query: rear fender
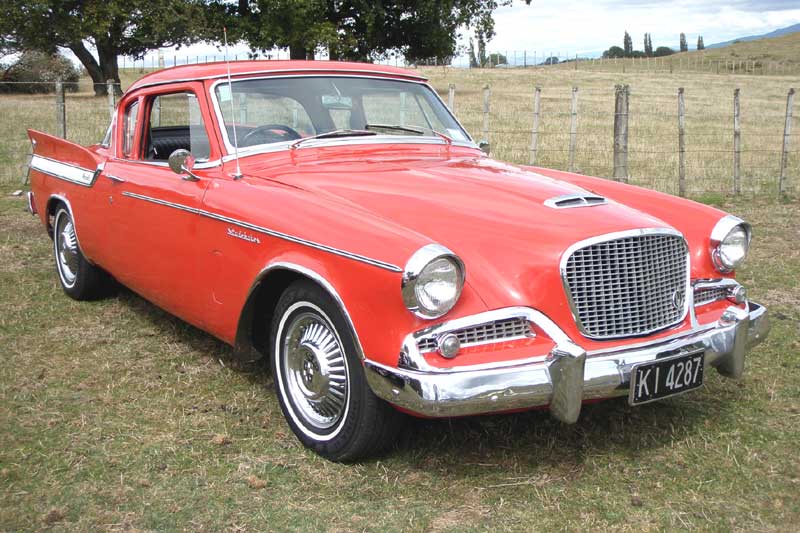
(64, 160)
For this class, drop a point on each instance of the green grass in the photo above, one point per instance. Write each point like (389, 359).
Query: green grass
(117, 416)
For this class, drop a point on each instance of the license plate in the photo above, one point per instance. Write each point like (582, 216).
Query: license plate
(665, 377)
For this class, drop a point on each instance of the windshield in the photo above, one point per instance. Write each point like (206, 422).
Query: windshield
(278, 110)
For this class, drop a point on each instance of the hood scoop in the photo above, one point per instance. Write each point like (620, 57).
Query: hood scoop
(567, 201)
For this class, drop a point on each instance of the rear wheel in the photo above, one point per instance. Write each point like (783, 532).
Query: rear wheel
(80, 279)
(320, 380)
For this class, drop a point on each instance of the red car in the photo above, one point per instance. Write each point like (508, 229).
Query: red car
(336, 219)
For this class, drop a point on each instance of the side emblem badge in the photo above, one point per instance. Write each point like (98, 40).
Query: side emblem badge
(243, 235)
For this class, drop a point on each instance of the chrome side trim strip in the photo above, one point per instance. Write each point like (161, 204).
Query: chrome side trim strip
(266, 231)
(64, 171)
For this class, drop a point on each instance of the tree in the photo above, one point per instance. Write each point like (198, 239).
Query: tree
(684, 46)
(482, 60)
(662, 51)
(700, 44)
(109, 27)
(648, 45)
(358, 29)
(614, 51)
(627, 44)
(473, 61)
(497, 59)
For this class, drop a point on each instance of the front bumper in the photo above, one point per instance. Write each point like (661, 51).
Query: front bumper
(568, 376)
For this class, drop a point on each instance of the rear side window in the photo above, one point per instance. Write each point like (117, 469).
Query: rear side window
(129, 129)
(175, 122)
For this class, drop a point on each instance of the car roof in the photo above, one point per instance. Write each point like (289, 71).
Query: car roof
(203, 71)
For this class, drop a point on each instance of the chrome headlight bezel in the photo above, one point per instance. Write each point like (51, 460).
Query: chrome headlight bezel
(415, 266)
(726, 226)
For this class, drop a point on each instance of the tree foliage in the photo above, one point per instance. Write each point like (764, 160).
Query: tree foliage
(700, 44)
(627, 44)
(648, 45)
(37, 72)
(359, 29)
(683, 44)
(614, 52)
(662, 51)
(111, 27)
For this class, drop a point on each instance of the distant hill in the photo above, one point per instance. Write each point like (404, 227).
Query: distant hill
(783, 50)
(777, 33)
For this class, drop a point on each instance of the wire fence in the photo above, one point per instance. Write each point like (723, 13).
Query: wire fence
(682, 142)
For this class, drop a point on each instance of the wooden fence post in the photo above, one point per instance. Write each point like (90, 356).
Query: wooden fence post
(737, 144)
(111, 95)
(486, 96)
(573, 130)
(621, 133)
(681, 144)
(61, 111)
(787, 135)
(537, 107)
(451, 97)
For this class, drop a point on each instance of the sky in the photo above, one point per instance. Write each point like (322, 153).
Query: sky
(586, 28)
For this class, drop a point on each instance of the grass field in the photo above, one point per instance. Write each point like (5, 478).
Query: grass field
(117, 416)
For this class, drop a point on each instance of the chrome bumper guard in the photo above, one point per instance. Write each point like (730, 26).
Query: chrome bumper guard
(568, 376)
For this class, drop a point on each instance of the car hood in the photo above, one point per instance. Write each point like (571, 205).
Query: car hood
(491, 214)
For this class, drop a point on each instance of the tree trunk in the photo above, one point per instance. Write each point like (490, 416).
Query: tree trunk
(108, 64)
(92, 67)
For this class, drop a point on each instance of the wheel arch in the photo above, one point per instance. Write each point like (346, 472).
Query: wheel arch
(262, 299)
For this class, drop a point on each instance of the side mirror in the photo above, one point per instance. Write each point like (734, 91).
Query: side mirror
(484, 146)
(182, 162)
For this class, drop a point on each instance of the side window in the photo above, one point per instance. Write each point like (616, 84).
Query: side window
(129, 129)
(175, 122)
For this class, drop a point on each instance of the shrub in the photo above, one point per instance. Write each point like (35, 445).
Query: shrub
(37, 72)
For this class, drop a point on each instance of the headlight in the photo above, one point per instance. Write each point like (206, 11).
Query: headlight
(730, 241)
(432, 281)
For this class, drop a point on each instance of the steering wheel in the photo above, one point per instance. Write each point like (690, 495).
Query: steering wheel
(269, 133)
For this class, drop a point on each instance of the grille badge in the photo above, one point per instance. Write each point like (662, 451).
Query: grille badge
(677, 299)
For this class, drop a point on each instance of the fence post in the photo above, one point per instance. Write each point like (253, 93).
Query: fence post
(737, 144)
(573, 130)
(61, 111)
(621, 133)
(486, 95)
(537, 107)
(787, 134)
(451, 97)
(681, 144)
(110, 96)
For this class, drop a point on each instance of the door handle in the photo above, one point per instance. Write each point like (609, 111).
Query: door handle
(115, 179)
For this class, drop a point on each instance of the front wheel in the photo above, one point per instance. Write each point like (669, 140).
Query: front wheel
(320, 380)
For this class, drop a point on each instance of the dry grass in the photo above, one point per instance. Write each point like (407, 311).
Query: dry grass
(117, 416)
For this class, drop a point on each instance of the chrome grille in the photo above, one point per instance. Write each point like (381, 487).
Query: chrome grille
(706, 296)
(496, 331)
(628, 286)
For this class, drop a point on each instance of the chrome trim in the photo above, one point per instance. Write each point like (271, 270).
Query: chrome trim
(570, 201)
(721, 230)
(412, 359)
(336, 141)
(31, 203)
(416, 263)
(699, 285)
(620, 235)
(115, 179)
(437, 340)
(282, 74)
(319, 279)
(266, 231)
(564, 378)
(64, 171)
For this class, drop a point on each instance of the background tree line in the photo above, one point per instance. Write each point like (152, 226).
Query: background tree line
(626, 50)
(99, 31)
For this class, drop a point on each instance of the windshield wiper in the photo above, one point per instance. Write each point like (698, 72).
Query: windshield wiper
(331, 135)
(409, 129)
(395, 127)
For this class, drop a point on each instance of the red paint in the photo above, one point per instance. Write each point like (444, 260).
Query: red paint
(379, 201)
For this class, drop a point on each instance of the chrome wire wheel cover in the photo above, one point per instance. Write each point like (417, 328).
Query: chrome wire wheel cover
(313, 368)
(66, 249)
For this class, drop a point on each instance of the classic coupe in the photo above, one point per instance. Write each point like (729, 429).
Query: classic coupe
(336, 219)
